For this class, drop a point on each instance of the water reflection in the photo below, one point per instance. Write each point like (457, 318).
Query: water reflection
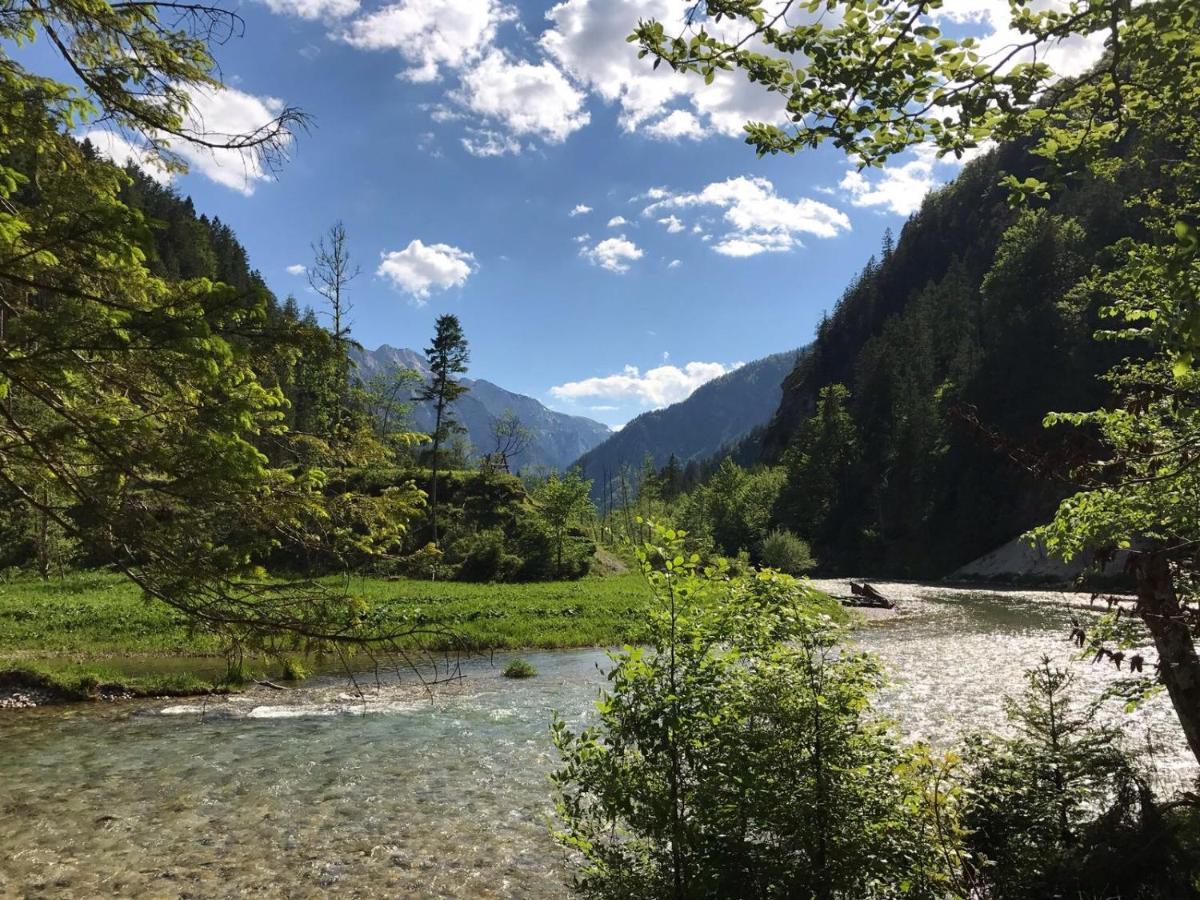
(309, 792)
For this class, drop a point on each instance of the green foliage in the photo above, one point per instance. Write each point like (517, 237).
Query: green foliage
(147, 374)
(483, 556)
(818, 464)
(783, 551)
(737, 755)
(91, 682)
(878, 77)
(562, 501)
(294, 669)
(732, 511)
(448, 356)
(1059, 810)
(519, 668)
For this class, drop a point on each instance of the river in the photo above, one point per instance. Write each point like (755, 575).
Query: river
(314, 791)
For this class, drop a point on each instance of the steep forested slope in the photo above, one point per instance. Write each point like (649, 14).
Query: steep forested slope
(969, 319)
(716, 416)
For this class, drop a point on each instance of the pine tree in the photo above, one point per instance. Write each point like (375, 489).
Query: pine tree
(448, 356)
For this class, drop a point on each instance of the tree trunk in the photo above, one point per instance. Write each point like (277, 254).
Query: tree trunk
(433, 466)
(1179, 666)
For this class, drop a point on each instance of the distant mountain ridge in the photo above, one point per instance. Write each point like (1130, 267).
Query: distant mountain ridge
(558, 439)
(717, 415)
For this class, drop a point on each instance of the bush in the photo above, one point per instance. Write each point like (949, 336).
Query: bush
(1059, 809)
(519, 668)
(738, 756)
(294, 669)
(484, 556)
(784, 551)
(534, 542)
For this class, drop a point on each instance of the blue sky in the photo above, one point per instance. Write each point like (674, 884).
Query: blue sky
(604, 233)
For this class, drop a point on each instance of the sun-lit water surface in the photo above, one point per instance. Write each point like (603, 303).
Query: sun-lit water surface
(316, 791)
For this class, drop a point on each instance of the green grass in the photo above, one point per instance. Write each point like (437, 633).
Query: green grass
(586, 613)
(91, 617)
(91, 614)
(89, 682)
(94, 615)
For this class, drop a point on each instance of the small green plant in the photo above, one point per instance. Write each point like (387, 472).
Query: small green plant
(519, 668)
(294, 669)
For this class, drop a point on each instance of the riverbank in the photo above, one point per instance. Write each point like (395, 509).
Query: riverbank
(92, 635)
(320, 791)
(26, 685)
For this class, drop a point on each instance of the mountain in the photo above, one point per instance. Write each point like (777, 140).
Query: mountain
(558, 439)
(936, 369)
(717, 415)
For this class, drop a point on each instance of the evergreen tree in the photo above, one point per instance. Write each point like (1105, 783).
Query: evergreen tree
(448, 356)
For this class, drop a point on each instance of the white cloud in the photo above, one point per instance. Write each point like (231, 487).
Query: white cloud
(117, 149)
(297, 269)
(219, 114)
(674, 264)
(580, 209)
(614, 254)
(582, 238)
(993, 18)
(617, 221)
(430, 34)
(678, 123)
(539, 88)
(655, 387)
(524, 97)
(313, 9)
(421, 268)
(899, 187)
(588, 39)
(482, 142)
(760, 221)
(223, 114)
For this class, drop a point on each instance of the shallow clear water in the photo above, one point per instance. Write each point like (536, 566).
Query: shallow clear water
(313, 792)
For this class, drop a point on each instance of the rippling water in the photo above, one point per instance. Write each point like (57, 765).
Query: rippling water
(315, 791)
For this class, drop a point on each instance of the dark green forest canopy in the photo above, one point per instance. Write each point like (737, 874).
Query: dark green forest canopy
(967, 316)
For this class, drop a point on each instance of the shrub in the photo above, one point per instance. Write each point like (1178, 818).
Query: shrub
(1059, 809)
(737, 756)
(533, 541)
(784, 551)
(294, 669)
(484, 556)
(519, 668)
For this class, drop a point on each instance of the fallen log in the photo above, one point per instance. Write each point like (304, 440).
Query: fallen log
(866, 595)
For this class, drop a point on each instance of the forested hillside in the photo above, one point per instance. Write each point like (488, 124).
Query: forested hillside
(936, 367)
(716, 416)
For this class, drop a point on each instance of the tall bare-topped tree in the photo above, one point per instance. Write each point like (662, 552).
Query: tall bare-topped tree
(330, 275)
(448, 356)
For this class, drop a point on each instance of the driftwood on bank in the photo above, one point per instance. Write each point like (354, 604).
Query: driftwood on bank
(867, 596)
